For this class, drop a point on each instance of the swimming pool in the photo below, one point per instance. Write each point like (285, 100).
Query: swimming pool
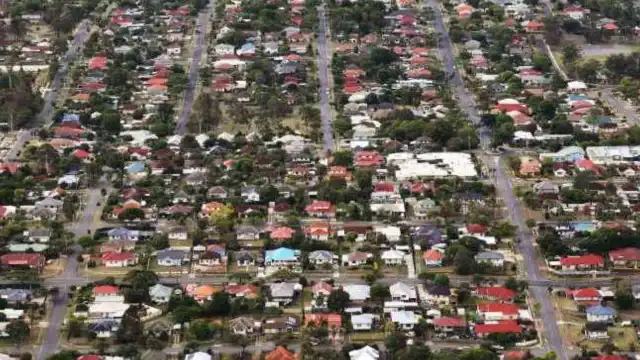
(584, 226)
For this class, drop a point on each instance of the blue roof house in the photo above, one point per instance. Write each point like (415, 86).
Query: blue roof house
(282, 257)
(599, 313)
(566, 154)
(104, 328)
(73, 118)
(123, 234)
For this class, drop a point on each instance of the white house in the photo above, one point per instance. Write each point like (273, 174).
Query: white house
(224, 49)
(403, 292)
(363, 322)
(405, 320)
(365, 353)
(392, 257)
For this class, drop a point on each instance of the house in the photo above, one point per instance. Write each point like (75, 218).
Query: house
(39, 235)
(498, 311)
(496, 293)
(599, 313)
(405, 320)
(596, 331)
(321, 209)
(356, 258)
(586, 296)
(392, 257)
(244, 258)
(498, 327)
(282, 324)
(105, 293)
(403, 292)
(243, 325)
(214, 256)
(123, 234)
(178, 233)
(360, 231)
(448, 324)
(321, 257)
(282, 233)
(582, 263)
(492, 258)
(333, 320)
(23, 260)
(365, 353)
(321, 289)
(282, 257)
(119, 259)
(217, 192)
(247, 291)
(625, 258)
(198, 356)
(171, 257)
(546, 188)
(534, 26)
(318, 231)
(250, 194)
(566, 154)
(357, 292)
(224, 49)
(160, 294)
(363, 322)
(529, 166)
(104, 328)
(247, 233)
(281, 353)
(433, 257)
(438, 294)
(282, 293)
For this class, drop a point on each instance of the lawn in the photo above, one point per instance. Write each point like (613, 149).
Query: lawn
(367, 337)
(571, 334)
(623, 337)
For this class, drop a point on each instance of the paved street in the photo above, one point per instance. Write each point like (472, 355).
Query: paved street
(46, 114)
(465, 100)
(84, 225)
(204, 18)
(323, 77)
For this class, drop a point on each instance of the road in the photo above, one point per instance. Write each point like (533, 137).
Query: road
(323, 77)
(84, 225)
(503, 184)
(202, 26)
(46, 114)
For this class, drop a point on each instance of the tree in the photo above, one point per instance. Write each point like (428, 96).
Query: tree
(131, 329)
(338, 300)
(18, 331)
(201, 329)
(131, 214)
(379, 292)
(624, 299)
(542, 63)
(441, 279)
(553, 30)
(75, 328)
(220, 304)
(395, 342)
(87, 241)
(571, 53)
(206, 113)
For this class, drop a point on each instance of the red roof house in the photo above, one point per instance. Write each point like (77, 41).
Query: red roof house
(320, 208)
(496, 293)
(105, 290)
(586, 296)
(448, 323)
(368, 159)
(97, 63)
(584, 262)
(500, 327)
(22, 260)
(625, 257)
(119, 259)
(333, 320)
(282, 233)
(534, 26)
